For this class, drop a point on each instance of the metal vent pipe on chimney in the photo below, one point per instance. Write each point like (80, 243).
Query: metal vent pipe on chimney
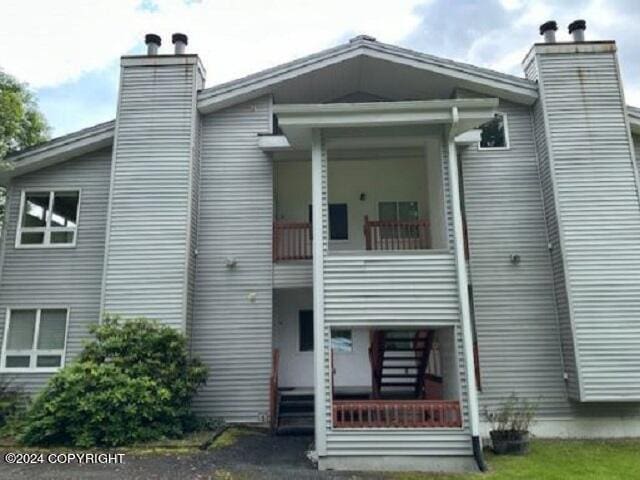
(153, 43)
(180, 41)
(577, 28)
(548, 29)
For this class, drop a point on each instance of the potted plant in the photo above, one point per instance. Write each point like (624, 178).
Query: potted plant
(510, 425)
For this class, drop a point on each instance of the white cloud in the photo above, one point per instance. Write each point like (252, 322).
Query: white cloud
(48, 43)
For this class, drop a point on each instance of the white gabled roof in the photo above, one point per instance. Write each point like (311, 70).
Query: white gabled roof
(507, 86)
(59, 149)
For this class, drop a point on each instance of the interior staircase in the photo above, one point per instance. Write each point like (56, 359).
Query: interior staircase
(399, 361)
(295, 414)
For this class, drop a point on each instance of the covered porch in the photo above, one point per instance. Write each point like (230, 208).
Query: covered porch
(381, 377)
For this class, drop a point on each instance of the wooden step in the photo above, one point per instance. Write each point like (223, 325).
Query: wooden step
(398, 375)
(398, 384)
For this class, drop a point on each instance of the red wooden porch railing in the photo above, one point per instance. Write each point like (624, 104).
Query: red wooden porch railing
(396, 234)
(396, 414)
(273, 389)
(291, 240)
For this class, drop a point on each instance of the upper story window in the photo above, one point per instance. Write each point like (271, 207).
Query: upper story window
(34, 339)
(48, 218)
(495, 133)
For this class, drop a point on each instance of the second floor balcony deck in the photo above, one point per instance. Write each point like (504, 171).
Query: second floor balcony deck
(293, 240)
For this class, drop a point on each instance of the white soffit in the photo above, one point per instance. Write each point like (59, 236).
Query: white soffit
(297, 121)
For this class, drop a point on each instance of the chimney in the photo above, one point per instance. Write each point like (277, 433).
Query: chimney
(180, 41)
(548, 30)
(153, 43)
(577, 28)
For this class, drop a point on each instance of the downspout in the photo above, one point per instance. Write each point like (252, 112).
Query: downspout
(463, 293)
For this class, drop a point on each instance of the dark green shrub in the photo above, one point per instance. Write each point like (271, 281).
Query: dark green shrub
(12, 403)
(133, 383)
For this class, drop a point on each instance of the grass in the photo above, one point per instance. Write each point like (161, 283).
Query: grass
(231, 435)
(558, 460)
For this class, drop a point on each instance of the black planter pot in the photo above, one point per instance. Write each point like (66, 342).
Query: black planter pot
(512, 442)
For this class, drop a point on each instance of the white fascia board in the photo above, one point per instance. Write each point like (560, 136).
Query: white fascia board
(296, 121)
(509, 87)
(58, 150)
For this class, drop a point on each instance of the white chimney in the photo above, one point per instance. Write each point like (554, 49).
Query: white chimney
(153, 43)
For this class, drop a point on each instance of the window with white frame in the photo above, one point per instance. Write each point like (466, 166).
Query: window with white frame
(495, 133)
(35, 339)
(48, 218)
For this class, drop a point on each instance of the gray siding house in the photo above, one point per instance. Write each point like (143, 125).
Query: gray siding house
(370, 243)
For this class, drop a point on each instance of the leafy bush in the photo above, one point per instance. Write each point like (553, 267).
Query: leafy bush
(515, 415)
(12, 403)
(133, 383)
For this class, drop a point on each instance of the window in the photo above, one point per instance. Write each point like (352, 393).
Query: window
(495, 133)
(48, 219)
(35, 338)
(341, 340)
(398, 211)
(338, 221)
(305, 330)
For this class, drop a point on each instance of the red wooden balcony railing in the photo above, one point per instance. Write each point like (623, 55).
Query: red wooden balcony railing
(396, 414)
(291, 241)
(396, 234)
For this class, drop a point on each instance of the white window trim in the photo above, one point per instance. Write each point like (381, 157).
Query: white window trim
(47, 229)
(507, 146)
(33, 352)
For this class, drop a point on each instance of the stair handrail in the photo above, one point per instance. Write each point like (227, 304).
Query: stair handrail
(376, 355)
(426, 337)
(273, 391)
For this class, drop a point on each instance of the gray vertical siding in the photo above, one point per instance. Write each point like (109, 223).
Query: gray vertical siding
(64, 277)
(232, 331)
(598, 216)
(147, 247)
(514, 306)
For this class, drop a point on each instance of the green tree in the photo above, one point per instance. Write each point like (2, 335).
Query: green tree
(21, 123)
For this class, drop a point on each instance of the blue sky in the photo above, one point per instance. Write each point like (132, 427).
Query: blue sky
(70, 54)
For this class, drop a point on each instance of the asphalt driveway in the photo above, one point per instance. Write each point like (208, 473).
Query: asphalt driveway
(249, 455)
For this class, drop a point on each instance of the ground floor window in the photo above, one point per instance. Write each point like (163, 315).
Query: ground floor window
(34, 339)
(341, 340)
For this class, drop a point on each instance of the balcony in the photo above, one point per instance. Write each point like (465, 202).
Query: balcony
(293, 240)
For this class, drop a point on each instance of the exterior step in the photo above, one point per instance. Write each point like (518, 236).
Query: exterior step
(295, 430)
(397, 384)
(303, 414)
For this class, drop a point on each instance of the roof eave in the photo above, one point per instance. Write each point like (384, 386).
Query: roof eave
(58, 150)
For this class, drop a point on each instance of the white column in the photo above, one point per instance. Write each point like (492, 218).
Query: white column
(463, 289)
(317, 194)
